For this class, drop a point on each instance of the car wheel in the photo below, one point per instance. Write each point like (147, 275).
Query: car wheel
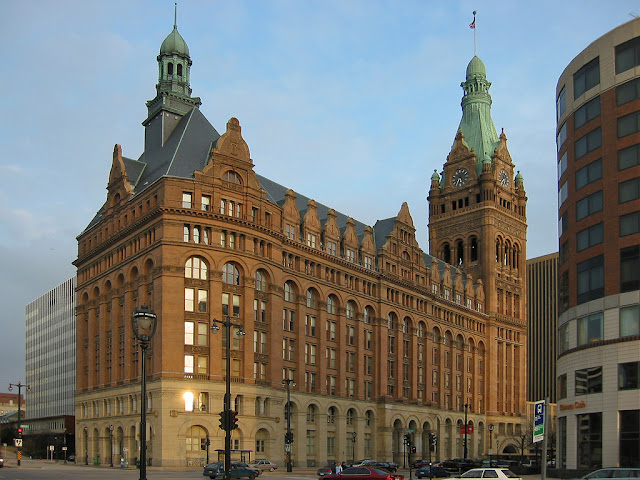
(252, 476)
(271, 469)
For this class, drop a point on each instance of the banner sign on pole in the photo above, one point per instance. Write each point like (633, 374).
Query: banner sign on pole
(538, 421)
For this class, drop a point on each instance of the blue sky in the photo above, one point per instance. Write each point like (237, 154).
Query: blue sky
(353, 103)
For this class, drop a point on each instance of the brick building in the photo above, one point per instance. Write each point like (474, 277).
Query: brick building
(598, 111)
(379, 337)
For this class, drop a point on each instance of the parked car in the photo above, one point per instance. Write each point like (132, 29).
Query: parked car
(419, 463)
(497, 473)
(238, 470)
(362, 473)
(614, 472)
(71, 458)
(459, 464)
(390, 467)
(327, 470)
(263, 465)
(1, 462)
(432, 472)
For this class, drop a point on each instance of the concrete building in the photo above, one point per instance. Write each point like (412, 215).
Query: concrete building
(598, 111)
(542, 317)
(379, 337)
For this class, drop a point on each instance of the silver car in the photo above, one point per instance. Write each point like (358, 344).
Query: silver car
(263, 465)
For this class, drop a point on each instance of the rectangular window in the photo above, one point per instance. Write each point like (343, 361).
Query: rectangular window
(628, 55)
(589, 173)
(331, 357)
(562, 386)
(591, 279)
(630, 268)
(310, 325)
(628, 376)
(562, 164)
(563, 254)
(629, 157)
(589, 440)
(288, 320)
(589, 205)
(189, 299)
(290, 231)
(590, 236)
(311, 240)
(206, 202)
(629, 321)
(368, 340)
(310, 353)
(562, 136)
(189, 333)
(629, 224)
(563, 338)
(561, 103)
(628, 92)
(188, 364)
(232, 308)
(629, 190)
(186, 199)
(586, 112)
(368, 262)
(563, 224)
(586, 78)
(563, 193)
(628, 124)
(186, 233)
(351, 255)
(588, 380)
(587, 143)
(590, 329)
(629, 422)
(331, 247)
(351, 335)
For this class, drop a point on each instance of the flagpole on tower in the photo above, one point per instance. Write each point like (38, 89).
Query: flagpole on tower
(472, 25)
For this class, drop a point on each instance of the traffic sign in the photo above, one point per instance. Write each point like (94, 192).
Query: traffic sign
(17, 442)
(287, 447)
(538, 421)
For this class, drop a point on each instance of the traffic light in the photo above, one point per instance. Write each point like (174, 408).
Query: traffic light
(413, 449)
(233, 420)
(407, 439)
(19, 431)
(288, 437)
(433, 439)
(223, 421)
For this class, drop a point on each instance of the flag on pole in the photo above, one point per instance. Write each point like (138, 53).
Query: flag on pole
(473, 24)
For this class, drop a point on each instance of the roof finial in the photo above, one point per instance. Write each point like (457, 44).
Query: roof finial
(175, 15)
(472, 25)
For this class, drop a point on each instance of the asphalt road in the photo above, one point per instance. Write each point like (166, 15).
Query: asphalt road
(44, 469)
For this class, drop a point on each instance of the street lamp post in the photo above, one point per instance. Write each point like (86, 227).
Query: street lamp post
(111, 445)
(86, 445)
(28, 387)
(466, 407)
(144, 323)
(227, 324)
(491, 444)
(353, 439)
(288, 438)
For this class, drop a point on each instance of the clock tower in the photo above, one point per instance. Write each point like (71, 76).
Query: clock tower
(477, 222)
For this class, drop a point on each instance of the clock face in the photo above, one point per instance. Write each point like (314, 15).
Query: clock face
(504, 178)
(460, 177)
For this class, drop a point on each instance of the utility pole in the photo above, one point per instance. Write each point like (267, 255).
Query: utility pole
(28, 387)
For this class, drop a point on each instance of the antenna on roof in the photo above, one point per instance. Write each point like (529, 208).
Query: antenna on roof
(472, 26)
(175, 15)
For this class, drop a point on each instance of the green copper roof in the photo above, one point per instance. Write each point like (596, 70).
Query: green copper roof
(476, 123)
(435, 176)
(174, 43)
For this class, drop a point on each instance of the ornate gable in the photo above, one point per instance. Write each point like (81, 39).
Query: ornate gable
(119, 184)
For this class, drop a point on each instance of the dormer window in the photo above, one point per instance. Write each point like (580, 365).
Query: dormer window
(233, 177)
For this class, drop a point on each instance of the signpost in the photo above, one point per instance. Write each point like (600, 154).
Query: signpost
(539, 424)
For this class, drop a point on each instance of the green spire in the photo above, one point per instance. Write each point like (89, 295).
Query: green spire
(476, 123)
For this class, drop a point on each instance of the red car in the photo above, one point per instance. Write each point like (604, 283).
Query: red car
(362, 473)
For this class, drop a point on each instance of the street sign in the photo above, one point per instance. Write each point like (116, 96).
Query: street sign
(24, 426)
(538, 421)
(409, 430)
(51, 448)
(469, 429)
(17, 442)
(287, 447)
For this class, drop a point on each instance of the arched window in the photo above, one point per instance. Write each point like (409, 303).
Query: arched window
(351, 309)
(474, 249)
(331, 415)
(331, 304)
(405, 256)
(392, 321)
(368, 418)
(446, 249)
(459, 253)
(195, 267)
(233, 177)
(368, 315)
(196, 437)
(289, 292)
(406, 325)
(170, 68)
(261, 280)
(311, 298)
(351, 416)
(311, 413)
(180, 69)
(230, 274)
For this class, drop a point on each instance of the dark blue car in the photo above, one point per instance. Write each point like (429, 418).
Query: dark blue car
(433, 471)
(238, 470)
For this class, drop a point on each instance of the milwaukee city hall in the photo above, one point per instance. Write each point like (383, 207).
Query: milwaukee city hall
(378, 337)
